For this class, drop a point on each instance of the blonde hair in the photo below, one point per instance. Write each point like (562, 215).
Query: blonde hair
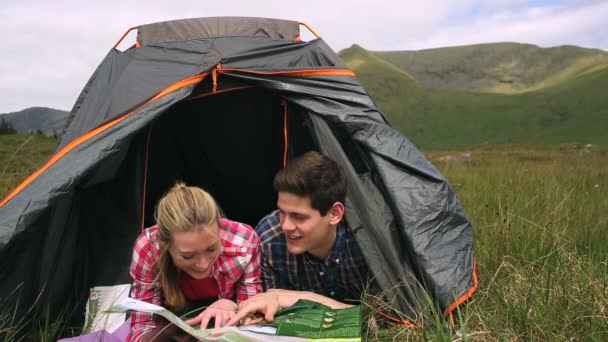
(182, 209)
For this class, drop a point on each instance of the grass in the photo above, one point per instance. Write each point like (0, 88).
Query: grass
(539, 227)
(47, 328)
(20, 156)
(539, 221)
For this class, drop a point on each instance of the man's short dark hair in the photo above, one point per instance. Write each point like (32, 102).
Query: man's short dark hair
(315, 176)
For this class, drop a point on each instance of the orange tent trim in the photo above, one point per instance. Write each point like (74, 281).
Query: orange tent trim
(183, 83)
(87, 136)
(295, 73)
(123, 37)
(467, 295)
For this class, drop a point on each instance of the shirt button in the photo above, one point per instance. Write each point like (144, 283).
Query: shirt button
(321, 273)
(332, 293)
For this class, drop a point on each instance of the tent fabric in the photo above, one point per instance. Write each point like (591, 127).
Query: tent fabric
(220, 113)
(187, 29)
(128, 78)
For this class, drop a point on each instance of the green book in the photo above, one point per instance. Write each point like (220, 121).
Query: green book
(312, 320)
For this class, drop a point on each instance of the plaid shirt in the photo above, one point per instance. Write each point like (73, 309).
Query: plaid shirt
(342, 276)
(237, 270)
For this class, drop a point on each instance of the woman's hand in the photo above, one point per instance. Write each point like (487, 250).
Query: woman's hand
(222, 310)
(266, 303)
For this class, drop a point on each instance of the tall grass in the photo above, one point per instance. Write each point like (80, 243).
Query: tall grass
(539, 219)
(540, 224)
(36, 323)
(20, 156)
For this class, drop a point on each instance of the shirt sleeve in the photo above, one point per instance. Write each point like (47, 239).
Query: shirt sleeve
(270, 277)
(267, 231)
(144, 287)
(250, 283)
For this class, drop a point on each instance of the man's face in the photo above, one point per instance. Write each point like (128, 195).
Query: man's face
(305, 228)
(195, 251)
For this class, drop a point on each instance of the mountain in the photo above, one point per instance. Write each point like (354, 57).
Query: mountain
(47, 120)
(560, 101)
(496, 67)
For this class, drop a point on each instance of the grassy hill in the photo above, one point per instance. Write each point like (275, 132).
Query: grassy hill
(496, 67)
(391, 88)
(562, 106)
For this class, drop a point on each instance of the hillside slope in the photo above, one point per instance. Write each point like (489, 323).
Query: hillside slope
(572, 110)
(391, 88)
(496, 67)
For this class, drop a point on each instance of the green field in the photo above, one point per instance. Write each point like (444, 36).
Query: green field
(539, 221)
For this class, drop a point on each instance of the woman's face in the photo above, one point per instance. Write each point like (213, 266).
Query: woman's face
(195, 251)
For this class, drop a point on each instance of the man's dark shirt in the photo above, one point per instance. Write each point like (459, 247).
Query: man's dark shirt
(343, 276)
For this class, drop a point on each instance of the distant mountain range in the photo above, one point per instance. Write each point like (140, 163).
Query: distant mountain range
(31, 120)
(462, 96)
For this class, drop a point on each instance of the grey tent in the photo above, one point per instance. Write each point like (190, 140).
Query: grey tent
(223, 103)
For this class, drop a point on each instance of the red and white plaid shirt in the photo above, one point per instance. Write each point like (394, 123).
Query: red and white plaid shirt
(237, 270)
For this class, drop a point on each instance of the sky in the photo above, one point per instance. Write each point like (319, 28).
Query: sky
(50, 49)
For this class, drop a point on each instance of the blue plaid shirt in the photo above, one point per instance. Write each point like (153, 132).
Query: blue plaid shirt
(343, 276)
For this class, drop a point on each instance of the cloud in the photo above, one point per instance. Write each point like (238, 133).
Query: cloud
(50, 48)
(543, 26)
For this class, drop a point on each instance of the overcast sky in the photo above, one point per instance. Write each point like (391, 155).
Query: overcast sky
(50, 48)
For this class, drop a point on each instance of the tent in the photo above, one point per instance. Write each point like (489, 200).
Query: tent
(223, 103)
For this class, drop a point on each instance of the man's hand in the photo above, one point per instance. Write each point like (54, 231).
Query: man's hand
(266, 303)
(222, 310)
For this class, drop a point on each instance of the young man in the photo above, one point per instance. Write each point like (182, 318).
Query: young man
(307, 249)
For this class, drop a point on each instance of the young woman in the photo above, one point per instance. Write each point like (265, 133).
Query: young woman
(192, 257)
